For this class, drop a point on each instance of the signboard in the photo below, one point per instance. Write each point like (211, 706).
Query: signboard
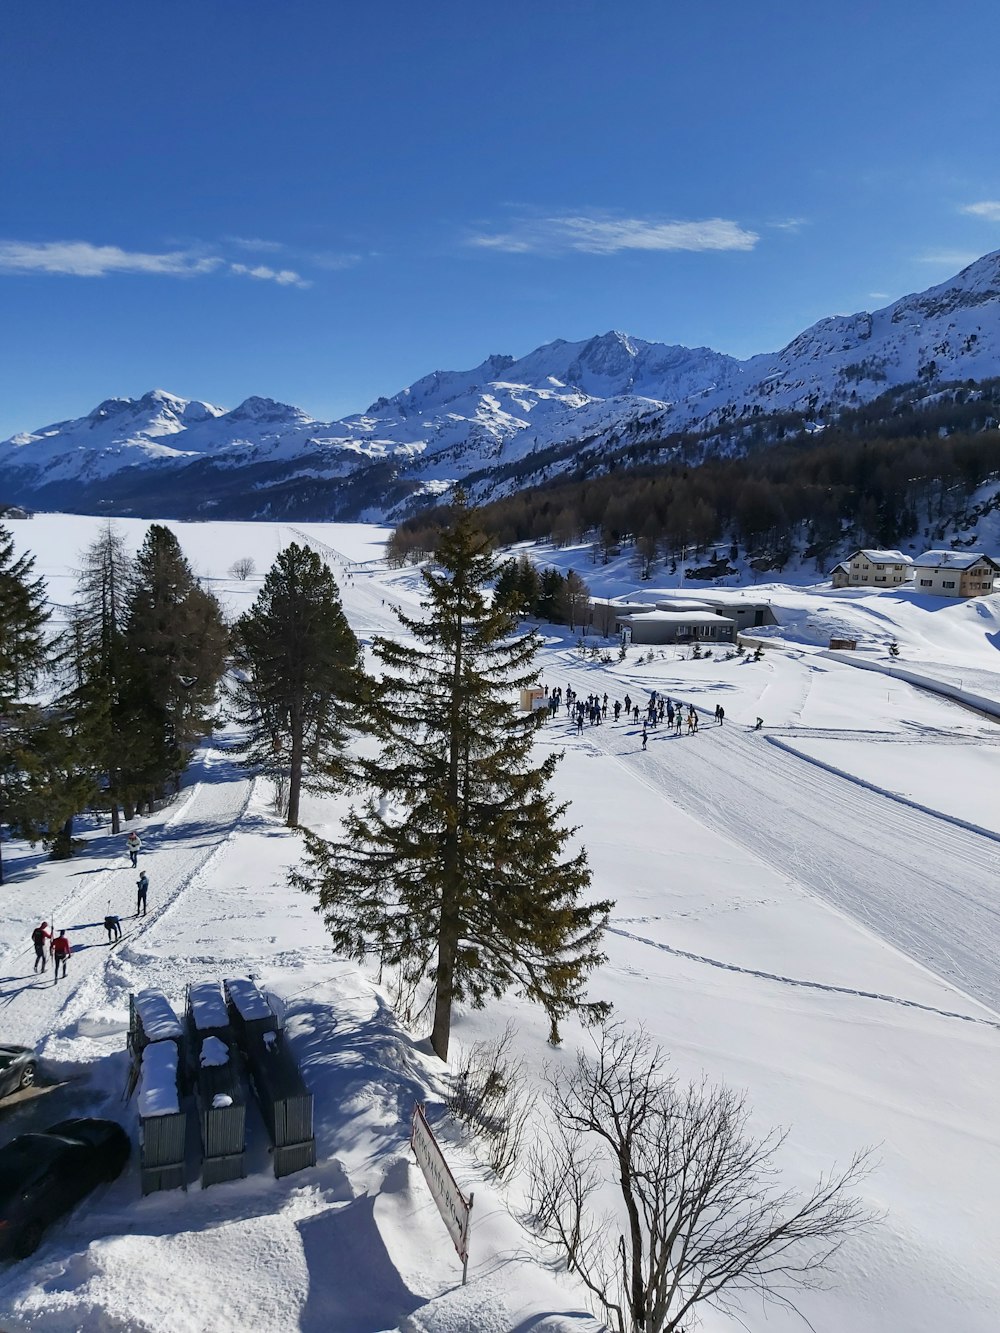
(454, 1207)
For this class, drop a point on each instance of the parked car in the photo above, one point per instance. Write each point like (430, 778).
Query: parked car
(43, 1175)
(17, 1068)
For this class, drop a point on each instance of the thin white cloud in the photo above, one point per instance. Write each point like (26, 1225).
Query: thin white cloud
(952, 259)
(256, 245)
(80, 259)
(608, 236)
(284, 277)
(333, 261)
(986, 208)
(789, 224)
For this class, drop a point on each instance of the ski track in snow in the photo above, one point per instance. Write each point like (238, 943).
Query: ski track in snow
(828, 987)
(914, 877)
(211, 809)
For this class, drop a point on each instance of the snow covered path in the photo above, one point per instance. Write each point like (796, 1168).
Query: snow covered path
(191, 832)
(917, 880)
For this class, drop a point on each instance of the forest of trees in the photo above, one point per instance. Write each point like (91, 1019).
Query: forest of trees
(816, 494)
(103, 711)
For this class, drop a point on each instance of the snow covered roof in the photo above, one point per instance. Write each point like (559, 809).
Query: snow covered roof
(208, 1008)
(214, 1052)
(158, 1080)
(844, 565)
(680, 618)
(681, 604)
(884, 557)
(951, 560)
(159, 1022)
(249, 1002)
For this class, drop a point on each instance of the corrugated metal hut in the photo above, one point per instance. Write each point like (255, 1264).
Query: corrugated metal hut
(207, 1015)
(151, 1019)
(221, 1112)
(162, 1123)
(249, 1011)
(285, 1102)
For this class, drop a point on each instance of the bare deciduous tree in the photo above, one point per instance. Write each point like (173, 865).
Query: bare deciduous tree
(242, 569)
(490, 1093)
(705, 1216)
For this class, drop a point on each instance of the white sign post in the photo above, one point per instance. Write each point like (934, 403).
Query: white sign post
(454, 1207)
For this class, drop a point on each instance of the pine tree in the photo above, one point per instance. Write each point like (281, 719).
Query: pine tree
(298, 666)
(101, 695)
(454, 869)
(177, 647)
(23, 656)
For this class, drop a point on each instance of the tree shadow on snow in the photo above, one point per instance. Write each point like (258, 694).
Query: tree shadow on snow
(353, 1285)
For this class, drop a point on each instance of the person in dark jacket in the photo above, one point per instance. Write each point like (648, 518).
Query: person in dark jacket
(142, 888)
(113, 925)
(60, 950)
(40, 937)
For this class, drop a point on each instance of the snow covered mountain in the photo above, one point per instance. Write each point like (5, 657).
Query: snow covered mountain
(503, 424)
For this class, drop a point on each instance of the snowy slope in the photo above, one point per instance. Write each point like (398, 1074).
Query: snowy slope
(803, 912)
(128, 454)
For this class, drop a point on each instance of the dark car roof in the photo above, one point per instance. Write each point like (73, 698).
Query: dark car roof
(7, 1049)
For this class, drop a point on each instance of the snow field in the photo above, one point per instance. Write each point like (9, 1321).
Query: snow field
(755, 892)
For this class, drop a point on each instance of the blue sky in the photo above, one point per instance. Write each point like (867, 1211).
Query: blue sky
(321, 201)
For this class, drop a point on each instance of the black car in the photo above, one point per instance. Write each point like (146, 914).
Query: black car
(17, 1068)
(43, 1175)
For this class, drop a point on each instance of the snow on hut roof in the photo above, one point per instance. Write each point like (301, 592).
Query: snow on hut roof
(208, 1008)
(158, 1080)
(159, 1022)
(951, 559)
(249, 1002)
(886, 557)
(683, 604)
(681, 618)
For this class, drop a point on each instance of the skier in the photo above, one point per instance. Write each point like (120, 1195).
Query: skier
(618, 710)
(142, 885)
(579, 723)
(39, 938)
(113, 925)
(60, 950)
(670, 714)
(635, 714)
(720, 713)
(134, 845)
(645, 736)
(760, 723)
(628, 704)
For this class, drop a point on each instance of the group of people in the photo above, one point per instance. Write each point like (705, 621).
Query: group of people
(59, 948)
(594, 709)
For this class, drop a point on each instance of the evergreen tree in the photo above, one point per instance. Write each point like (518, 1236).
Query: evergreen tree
(23, 655)
(101, 695)
(453, 870)
(178, 645)
(298, 665)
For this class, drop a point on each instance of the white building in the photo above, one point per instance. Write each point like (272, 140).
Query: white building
(955, 573)
(872, 569)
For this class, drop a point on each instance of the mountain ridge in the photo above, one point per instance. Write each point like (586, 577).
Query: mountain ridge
(449, 425)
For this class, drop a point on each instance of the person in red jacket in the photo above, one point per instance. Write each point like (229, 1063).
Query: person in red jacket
(61, 950)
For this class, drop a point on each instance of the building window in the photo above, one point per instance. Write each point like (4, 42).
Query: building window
(948, 583)
(926, 583)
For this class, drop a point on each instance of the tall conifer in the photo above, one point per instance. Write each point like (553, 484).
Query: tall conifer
(298, 669)
(454, 870)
